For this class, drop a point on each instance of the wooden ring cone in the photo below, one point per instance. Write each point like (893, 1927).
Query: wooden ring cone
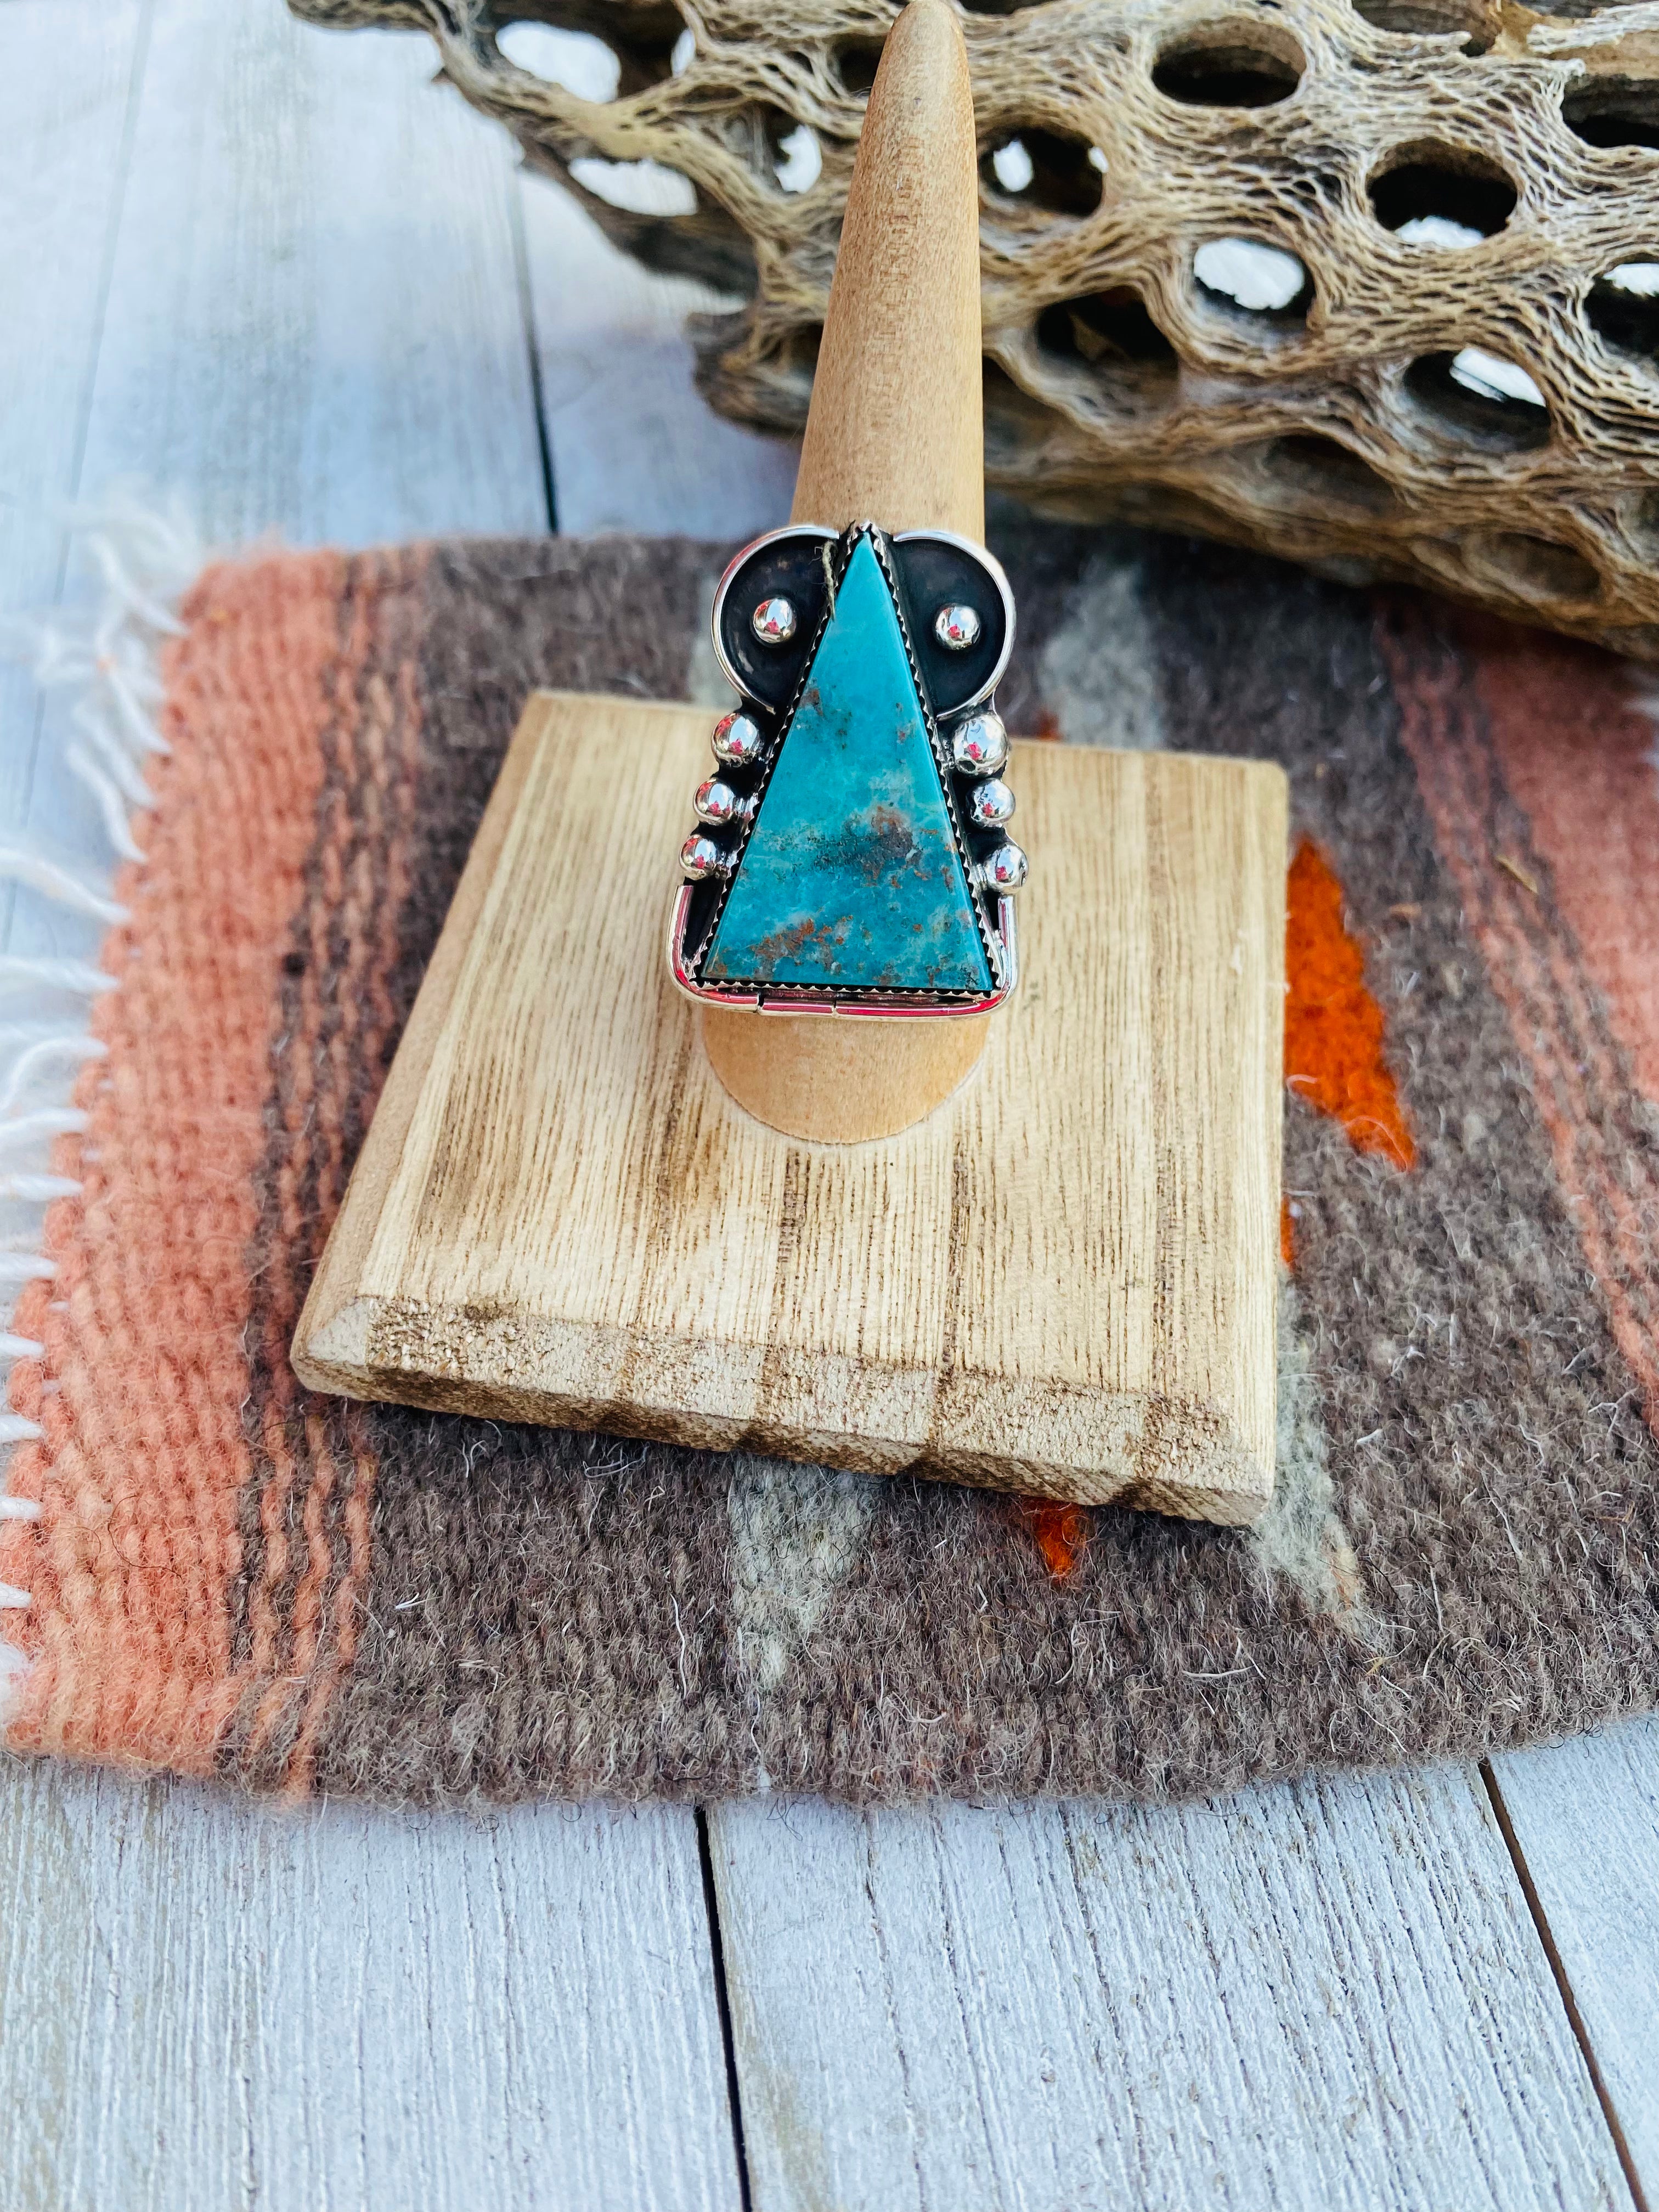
(895, 435)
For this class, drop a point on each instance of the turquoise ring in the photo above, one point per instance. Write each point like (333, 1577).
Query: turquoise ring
(851, 853)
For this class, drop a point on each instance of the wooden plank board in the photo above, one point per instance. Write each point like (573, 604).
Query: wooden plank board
(314, 321)
(633, 446)
(1324, 1998)
(313, 326)
(1063, 1280)
(1584, 1817)
(209, 2004)
(66, 99)
(65, 102)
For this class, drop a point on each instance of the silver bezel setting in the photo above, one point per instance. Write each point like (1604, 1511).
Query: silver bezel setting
(997, 936)
(896, 1007)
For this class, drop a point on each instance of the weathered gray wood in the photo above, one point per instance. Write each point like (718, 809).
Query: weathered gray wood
(207, 2003)
(313, 324)
(1324, 1995)
(633, 446)
(1585, 1816)
(65, 96)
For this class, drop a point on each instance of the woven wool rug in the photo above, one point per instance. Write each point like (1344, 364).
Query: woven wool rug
(229, 1576)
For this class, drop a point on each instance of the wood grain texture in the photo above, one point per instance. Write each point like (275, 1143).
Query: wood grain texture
(1321, 1998)
(895, 432)
(63, 148)
(632, 445)
(207, 2004)
(1585, 1819)
(1064, 1281)
(895, 435)
(314, 322)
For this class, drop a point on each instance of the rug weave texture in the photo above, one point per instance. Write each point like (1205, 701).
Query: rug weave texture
(229, 1576)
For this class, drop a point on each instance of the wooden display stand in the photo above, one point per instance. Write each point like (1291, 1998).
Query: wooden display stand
(1036, 1250)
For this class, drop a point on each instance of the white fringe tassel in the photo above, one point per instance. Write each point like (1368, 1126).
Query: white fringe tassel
(104, 655)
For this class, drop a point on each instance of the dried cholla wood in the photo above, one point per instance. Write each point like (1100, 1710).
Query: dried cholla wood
(1374, 423)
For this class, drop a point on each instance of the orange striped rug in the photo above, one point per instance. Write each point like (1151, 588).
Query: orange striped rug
(225, 1575)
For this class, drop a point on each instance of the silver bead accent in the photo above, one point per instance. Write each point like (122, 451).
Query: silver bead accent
(738, 740)
(990, 804)
(957, 627)
(700, 856)
(716, 803)
(1003, 870)
(979, 746)
(773, 621)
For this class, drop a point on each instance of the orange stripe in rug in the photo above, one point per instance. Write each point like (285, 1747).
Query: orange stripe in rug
(140, 1388)
(1332, 1025)
(1060, 1532)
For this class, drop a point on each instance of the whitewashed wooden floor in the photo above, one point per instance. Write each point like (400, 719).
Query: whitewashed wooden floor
(271, 269)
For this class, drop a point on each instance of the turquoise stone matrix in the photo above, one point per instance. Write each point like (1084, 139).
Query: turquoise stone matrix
(851, 878)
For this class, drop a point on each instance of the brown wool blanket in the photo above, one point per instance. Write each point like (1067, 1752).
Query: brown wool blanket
(229, 1576)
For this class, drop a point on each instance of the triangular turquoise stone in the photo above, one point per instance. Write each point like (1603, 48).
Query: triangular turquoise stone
(851, 879)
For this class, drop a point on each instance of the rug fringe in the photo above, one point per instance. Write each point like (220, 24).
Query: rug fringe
(104, 656)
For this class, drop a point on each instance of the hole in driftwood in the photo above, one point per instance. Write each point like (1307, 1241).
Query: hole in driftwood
(1441, 196)
(1623, 308)
(1111, 326)
(1243, 276)
(644, 45)
(1230, 65)
(1482, 399)
(998, 7)
(1111, 335)
(1043, 169)
(1477, 23)
(635, 187)
(857, 61)
(1319, 470)
(797, 157)
(1613, 110)
(577, 61)
(777, 147)
(1538, 567)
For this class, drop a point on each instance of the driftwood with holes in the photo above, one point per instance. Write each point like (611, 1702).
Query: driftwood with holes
(1421, 343)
